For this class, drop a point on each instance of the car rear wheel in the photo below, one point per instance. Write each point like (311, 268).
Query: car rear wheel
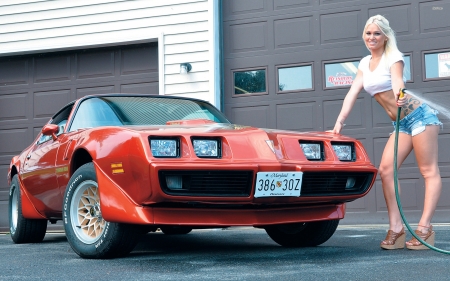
(23, 230)
(307, 234)
(89, 235)
(175, 230)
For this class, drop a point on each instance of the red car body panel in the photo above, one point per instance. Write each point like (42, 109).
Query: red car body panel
(128, 174)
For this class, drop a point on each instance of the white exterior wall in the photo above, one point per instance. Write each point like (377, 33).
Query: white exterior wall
(182, 28)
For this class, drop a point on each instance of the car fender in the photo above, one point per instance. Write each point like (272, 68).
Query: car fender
(122, 158)
(29, 210)
(116, 205)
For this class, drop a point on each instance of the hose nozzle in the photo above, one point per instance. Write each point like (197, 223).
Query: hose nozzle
(401, 92)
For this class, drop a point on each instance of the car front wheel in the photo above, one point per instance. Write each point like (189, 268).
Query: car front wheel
(89, 235)
(23, 230)
(306, 234)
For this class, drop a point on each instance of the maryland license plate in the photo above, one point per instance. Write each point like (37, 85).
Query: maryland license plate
(271, 184)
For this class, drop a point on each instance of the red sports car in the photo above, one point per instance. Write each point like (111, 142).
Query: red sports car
(116, 166)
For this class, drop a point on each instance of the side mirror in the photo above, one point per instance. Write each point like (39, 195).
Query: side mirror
(50, 130)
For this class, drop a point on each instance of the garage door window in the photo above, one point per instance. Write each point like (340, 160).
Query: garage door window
(437, 65)
(253, 81)
(407, 68)
(295, 78)
(340, 74)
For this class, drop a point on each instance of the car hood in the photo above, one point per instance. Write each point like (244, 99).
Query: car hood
(224, 128)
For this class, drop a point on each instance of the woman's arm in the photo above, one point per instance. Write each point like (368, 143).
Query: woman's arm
(349, 101)
(397, 82)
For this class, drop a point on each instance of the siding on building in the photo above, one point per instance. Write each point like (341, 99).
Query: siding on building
(182, 28)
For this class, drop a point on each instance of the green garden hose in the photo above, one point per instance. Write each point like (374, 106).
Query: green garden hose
(397, 195)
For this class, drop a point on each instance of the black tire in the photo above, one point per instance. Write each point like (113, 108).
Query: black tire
(23, 230)
(175, 230)
(89, 235)
(308, 234)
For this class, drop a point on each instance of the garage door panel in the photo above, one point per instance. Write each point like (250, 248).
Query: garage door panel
(4, 188)
(444, 200)
(411, 196)
(46, 103)
(139, 60)
(13, 141)
(296, 116)
(378, 146)
(340, 27)
(347, 2)
(356, 119)
(247, 37)
(13, 71)
(141, 88)
(291, 4)
(13, 107)
(81, 92)
(251, 116)
(293, 32)
(4, 193)
(434, 16)
(399, 17)
(379, 117)
(444, 152)
(95, 64)
(52, 68)
(239, 7)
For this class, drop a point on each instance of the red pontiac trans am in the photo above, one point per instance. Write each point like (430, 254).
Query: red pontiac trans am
(113, 167)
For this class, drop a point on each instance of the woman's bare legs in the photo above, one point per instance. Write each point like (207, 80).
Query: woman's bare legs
(426, 149)
(386, 170)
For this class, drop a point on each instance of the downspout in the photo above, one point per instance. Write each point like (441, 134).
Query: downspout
(216, 57)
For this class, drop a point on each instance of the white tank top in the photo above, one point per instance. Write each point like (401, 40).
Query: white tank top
(379, 80)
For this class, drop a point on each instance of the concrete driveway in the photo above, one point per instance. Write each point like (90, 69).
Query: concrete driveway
(353, 253)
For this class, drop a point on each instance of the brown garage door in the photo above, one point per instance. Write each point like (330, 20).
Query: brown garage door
(287, 65)
(34, 87)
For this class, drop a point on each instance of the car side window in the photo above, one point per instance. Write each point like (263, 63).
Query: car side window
(61, 120)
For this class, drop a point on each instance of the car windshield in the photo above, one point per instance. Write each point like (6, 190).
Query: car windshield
(135, 110)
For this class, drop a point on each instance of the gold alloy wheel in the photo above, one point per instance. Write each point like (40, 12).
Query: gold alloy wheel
(85, 213)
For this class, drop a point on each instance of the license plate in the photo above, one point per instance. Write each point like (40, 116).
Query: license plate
(272, 184)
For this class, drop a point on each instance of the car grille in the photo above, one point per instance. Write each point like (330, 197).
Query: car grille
(334, 183)
(209, 183)
(239, 183)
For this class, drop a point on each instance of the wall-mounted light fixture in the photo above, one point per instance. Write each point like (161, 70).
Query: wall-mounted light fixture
(185, 67)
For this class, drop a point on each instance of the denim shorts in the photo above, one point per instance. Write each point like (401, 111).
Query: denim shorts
(415, 122)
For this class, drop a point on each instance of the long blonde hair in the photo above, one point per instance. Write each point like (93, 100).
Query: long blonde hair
(390, 48)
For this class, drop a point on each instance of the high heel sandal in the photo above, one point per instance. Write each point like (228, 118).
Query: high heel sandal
(394, 240)
(428, 237)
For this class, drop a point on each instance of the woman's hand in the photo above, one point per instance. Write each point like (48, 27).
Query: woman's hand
(337, 127)
(402, 101)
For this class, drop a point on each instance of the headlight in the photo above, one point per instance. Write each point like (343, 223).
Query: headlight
(206, 148)
(312, 151)
(164, 147)
(344, 151)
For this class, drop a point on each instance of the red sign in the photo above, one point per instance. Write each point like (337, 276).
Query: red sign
(340, 80)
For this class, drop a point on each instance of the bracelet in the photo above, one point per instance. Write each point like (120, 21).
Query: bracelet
(342, 123)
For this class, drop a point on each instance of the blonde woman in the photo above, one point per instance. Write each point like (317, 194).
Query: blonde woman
(381, 75)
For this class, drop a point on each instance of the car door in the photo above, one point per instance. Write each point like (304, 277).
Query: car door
(39, 173)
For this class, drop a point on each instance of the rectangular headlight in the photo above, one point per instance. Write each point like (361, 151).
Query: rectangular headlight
(206, 147)
(344, 151)
(164, 148)
(312, 150)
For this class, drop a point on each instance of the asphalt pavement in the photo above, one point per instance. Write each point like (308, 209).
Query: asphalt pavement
(241, 253)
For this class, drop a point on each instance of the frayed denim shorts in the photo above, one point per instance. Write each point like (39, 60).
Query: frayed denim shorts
(415, 122)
